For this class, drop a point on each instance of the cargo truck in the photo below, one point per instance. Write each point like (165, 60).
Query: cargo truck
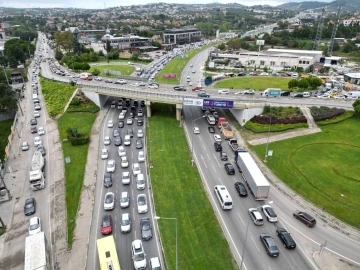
(234, 145)
(254, 178)
(36, 252)
(226, 130)
(37, 173)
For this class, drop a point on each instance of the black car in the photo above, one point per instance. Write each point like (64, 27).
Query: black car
(203, 94)
(285, 93)
(305, 218)
(121, 124)
(142, 103)
(286, 238)
(223, 156)
(33, 122)
(127, 101)
(269, 244)
(117, 141)
(240, 188)
(36, 100)
(145, 226)
(218, 146)
(140, 122)
(139, 144)
(241, 73)
(41, 149)
(229, 168)
(116, 132)
(130, 132)
(211, 129)
(33, 129)
(30, 206)
(136, 103)
(133, 109)
(107, 180)
(298, 95)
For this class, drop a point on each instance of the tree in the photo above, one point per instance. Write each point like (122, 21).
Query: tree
(85, 66)
(7, 95)
(356, 106)
(108, 46)
(95, 72)
(293, 83)
(221, 46)
(58, 55)
(314, 82)
(77, 47)
(101, 53)
(303, 83)
(135, 56)
(4, 61)
(64, 41)
(156, 44)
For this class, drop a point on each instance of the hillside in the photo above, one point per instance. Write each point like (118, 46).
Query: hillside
(347, 5)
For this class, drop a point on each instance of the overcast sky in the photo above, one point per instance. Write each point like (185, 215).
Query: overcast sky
(114, 3)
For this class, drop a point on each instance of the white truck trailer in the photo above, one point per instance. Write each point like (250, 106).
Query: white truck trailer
(36, 252)
(37, 175)
(252, 175)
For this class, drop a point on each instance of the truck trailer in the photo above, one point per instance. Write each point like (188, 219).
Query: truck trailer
(37, 173)
(252, 175)
(36, 252)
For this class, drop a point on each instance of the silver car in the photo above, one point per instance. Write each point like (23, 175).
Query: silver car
(125, 223)
(125, 199)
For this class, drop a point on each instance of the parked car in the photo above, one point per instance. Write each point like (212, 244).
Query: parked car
(107, 140)
(41, 131)
(305, 218)
(41, 149)
(241, 189)
(145, 227)
(269, 244)
(25, 146)
(286, 238)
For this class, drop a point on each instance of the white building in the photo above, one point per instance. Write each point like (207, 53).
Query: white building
(353, 78)
(316, 54)
(181, 36)
(351, 21)
(127, 41)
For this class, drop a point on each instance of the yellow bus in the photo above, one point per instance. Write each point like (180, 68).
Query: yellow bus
(108, 257)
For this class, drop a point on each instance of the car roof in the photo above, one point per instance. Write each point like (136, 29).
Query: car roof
(125, 216)
(34, 220)
(155, 262)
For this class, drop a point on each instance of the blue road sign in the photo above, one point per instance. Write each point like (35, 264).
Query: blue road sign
(214, 103)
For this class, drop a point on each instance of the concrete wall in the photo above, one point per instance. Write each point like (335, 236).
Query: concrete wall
(244, 115)
(103, 99)
(94, 97)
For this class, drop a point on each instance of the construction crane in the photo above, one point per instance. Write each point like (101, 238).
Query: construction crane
(319, 30)
(333, 34)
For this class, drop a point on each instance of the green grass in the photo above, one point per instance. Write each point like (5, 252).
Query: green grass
(176, 66)
(124, 69)
(74, 171)
(323, 168)
(262, 128)
(84, 107)
(179, 193)
(56, 95)
(256, 83)
(5, 130)
(104, 61)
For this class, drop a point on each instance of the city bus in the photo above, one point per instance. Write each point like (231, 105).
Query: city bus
(108, 257)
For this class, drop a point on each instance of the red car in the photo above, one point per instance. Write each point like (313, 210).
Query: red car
(106, 224)
(197, 88)
(284, 75)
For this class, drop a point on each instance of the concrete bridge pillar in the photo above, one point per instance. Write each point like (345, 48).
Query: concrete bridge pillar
(178, 111)
(148, 108)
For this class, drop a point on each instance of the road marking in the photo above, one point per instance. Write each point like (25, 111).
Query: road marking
(240, 219)
(217, 160)
(208, 155)
(255, 244)
(214, 167)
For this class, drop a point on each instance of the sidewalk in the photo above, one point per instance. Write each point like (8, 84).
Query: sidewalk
(327, 261)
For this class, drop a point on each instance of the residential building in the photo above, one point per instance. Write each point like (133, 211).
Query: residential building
(351, 21)
(182, 36)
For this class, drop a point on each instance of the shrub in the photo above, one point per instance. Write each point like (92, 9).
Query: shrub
(75, 102)
(261, 128)
(323, 113)
(337, 119)
(274, 120)
(80, 140)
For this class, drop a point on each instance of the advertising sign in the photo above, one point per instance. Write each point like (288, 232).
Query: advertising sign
(193, 102)
(168, 76)
(274, 93)
(214, 103)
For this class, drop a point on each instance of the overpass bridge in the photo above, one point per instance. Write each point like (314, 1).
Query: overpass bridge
(100, 94)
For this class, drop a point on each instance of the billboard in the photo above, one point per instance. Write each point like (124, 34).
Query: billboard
(222, 104)
(193, 102)
(169, 76)
(274, 93)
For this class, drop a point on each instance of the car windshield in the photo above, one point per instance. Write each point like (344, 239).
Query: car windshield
(28, 205)
(34, 226)
(124, 199)
(142, 181)
(106, 222)
(142, 201)
(109, 199)
(146, 225)
(139, 257)
(125, 222)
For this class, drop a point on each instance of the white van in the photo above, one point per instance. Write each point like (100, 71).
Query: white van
(294, 75)
(224, 197)
(127, 140)
(306, 94)
(35, 96)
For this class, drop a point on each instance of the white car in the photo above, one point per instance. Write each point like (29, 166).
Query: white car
(41, 131)
(269, 213)
(193, 71)
(98, 78)
(24, 146)
(224, 91)
(37, 141)
(140, 133)
(153, 86)
(107, 140)
(121, 116)
(122, 81)
(138, 255)
(142, 204)
(124, 162)
(154, 264)
(134, 84)
(110, 124)
(264, 74)
(141, 156)
(110, 166)
(217, 138)
(34, 225)
(121, 151)
(104, 153)
(140, 181)
(36, 114)
(125, 223)
(136, 169)
(109, 201)
(125, 199)
(129, 121)
(126, 178)
(140, 113)
(196, 130)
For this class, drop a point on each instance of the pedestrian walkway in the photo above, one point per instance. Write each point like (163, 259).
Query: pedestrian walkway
(313, 128)
(328, 261)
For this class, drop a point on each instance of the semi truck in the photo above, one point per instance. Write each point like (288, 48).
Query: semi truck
(254, 178)
(36, 252)
(226, 130)
(37, 172)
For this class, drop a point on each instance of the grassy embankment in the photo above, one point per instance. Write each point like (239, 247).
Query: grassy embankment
(179, 193)
(255, 83)
(124, 69)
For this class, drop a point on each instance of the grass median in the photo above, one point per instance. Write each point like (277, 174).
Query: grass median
(124, 69)
(75, 170)
(179, 193)
(323, 168)
(255, 83)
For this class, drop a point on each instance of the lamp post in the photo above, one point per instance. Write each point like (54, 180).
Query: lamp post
(267, 143)
(246, 234)
(176, 238)
(192, 140)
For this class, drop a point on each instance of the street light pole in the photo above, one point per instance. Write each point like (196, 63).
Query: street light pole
(192, 140)
(176, 236)
(267, 143)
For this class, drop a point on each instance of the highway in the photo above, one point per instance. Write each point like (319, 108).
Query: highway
(123, 240)
(234, 222)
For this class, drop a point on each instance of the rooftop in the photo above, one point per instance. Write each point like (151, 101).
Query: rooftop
(294, 51)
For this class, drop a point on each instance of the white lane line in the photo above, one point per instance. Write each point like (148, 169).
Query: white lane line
(255, 244)
(217, 160)
(204, 161)
(208, 155)
(214, 167)
(220, 181)
(240, 219)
